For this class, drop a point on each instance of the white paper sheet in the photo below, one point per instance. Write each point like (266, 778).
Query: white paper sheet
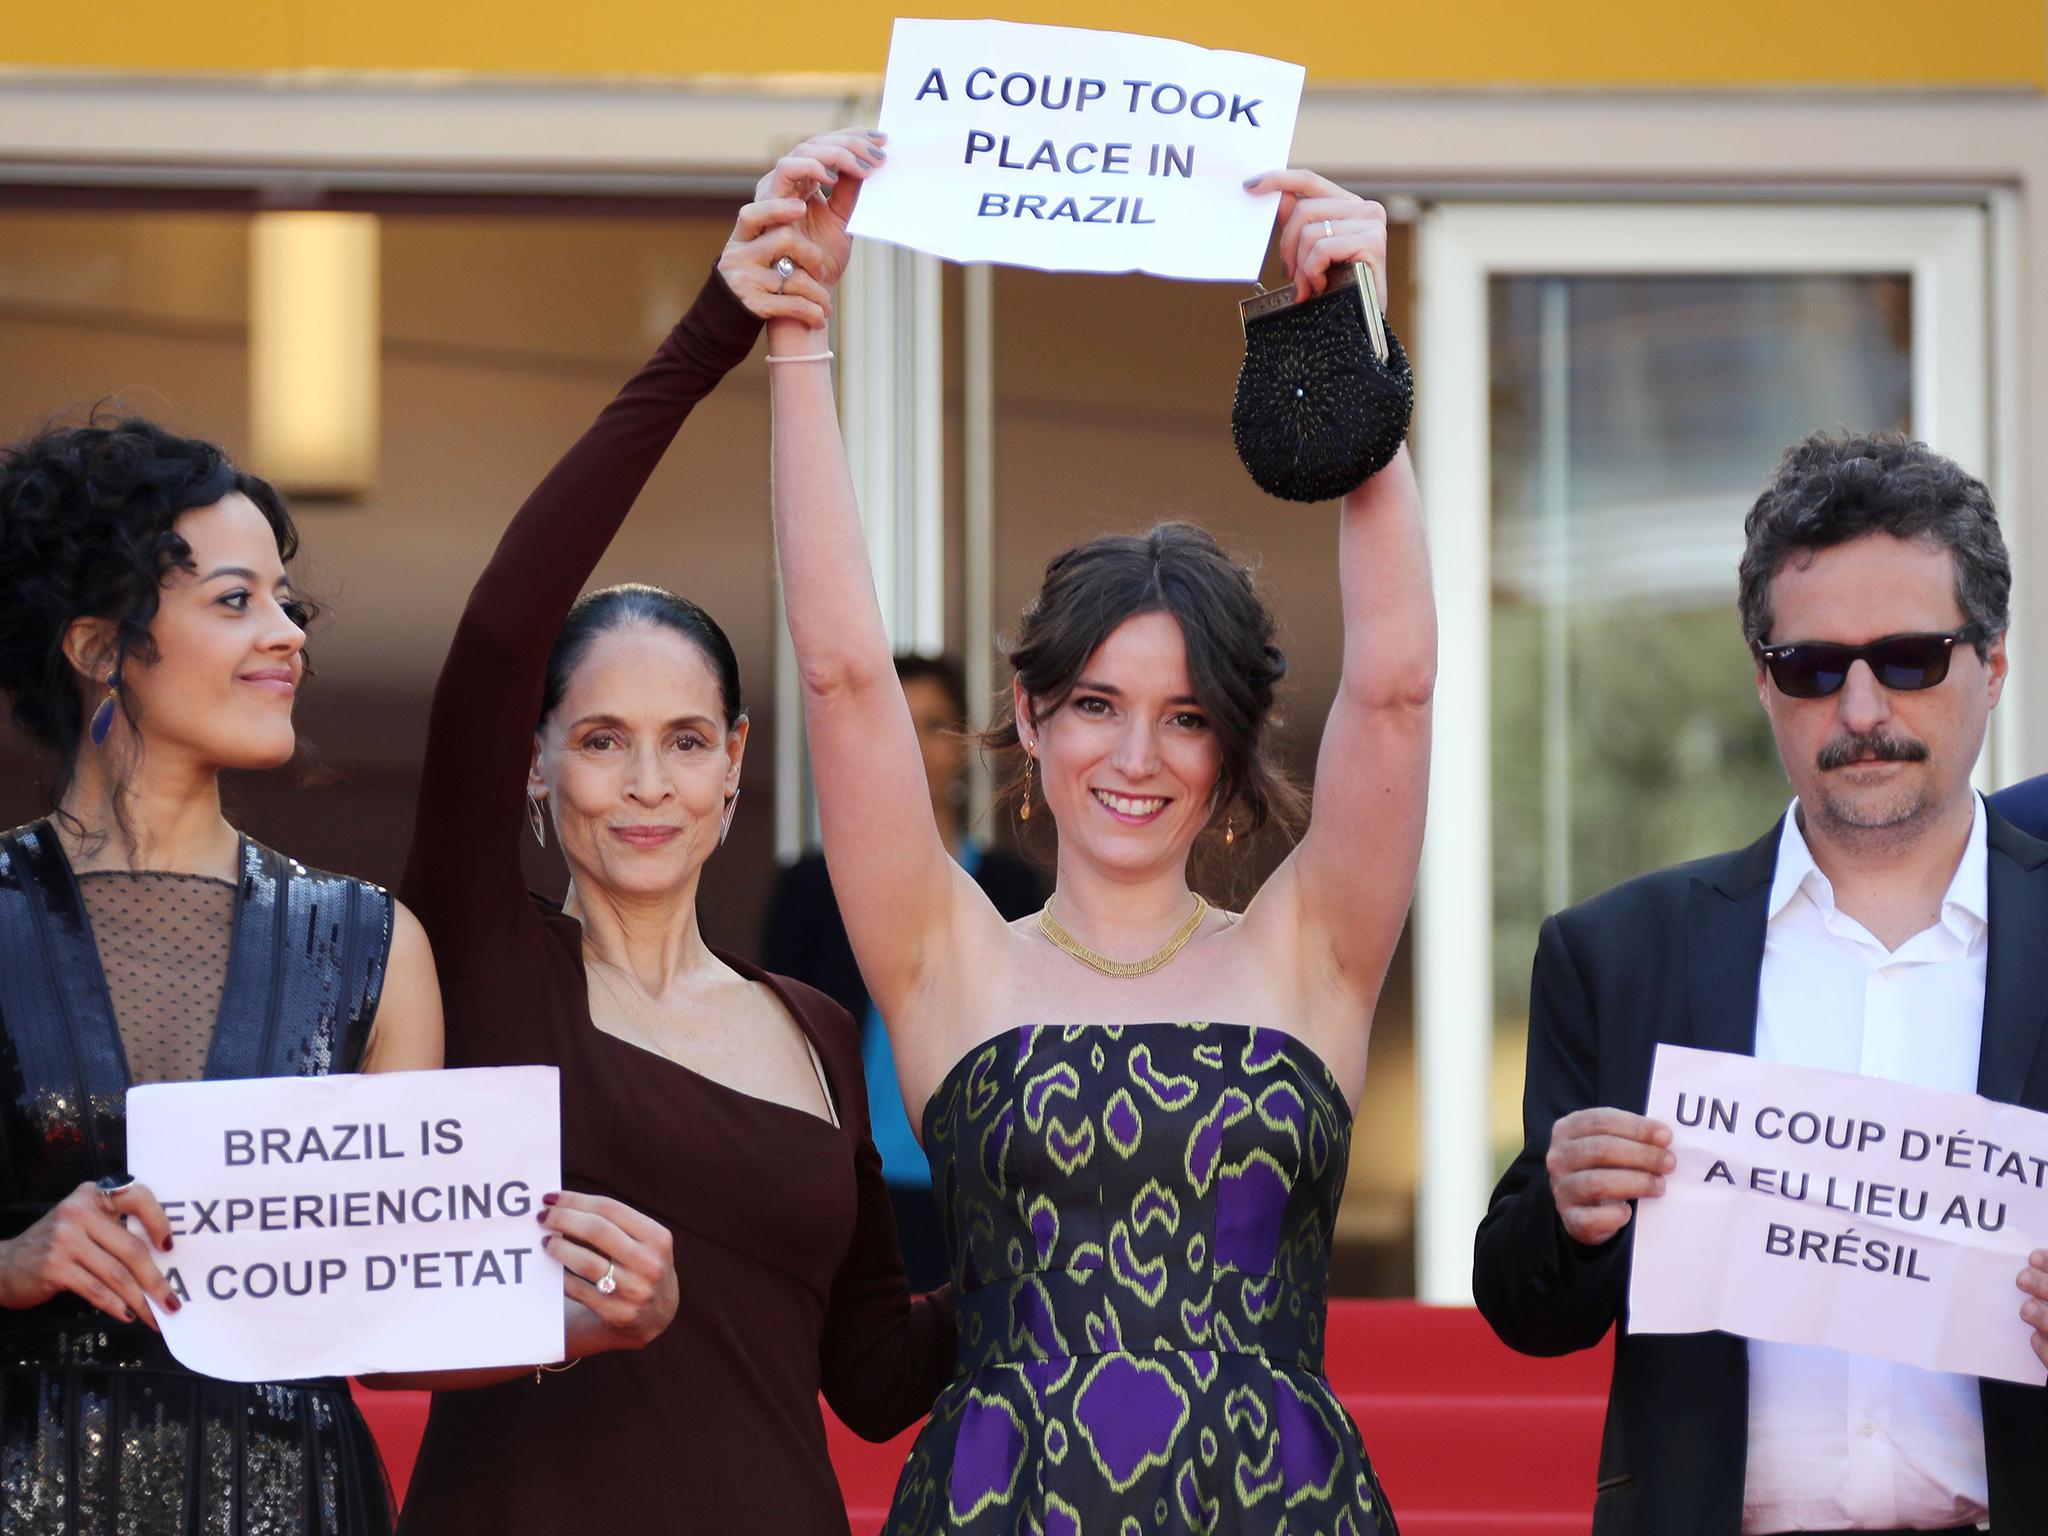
(1078, 151)
(1815, 1207)
(330, 1226)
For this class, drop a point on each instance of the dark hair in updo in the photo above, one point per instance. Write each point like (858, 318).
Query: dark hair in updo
(86, 517)
(1234, 666)
(609, 608)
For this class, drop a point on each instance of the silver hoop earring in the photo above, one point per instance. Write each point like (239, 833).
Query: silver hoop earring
(725, 822)
(536, 818)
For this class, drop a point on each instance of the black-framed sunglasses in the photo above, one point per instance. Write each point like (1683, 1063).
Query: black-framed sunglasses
(1814, 669)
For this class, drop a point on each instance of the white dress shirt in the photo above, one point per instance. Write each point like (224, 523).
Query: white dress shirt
(1840, 1441)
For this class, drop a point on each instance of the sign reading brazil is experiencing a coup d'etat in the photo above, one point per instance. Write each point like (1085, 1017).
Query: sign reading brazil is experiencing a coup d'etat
(1078, 151)
(332, 1226)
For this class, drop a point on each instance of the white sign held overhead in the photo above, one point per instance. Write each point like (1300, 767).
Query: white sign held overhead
(1816, 1207)
(333, 1226)
(1078, 151)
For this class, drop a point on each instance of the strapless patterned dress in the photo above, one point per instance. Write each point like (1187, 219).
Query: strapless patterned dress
(1139, 1220)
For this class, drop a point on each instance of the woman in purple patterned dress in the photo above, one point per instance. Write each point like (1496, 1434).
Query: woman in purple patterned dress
(1137, 1108)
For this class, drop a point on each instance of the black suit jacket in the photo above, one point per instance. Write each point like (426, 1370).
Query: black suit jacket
(2025, 805)
(1678, 956)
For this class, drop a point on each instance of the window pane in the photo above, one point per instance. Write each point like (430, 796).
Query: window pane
(1633, 421)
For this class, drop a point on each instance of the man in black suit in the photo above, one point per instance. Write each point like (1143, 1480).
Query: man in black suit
(1891, 925)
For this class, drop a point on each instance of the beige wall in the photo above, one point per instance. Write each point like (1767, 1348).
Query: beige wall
(502, 338)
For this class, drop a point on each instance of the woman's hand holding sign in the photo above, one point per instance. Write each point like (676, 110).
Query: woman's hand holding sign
(618, 1269)
(1599, 1161)
(798, 217)
(618, 1285)
(84, 1246)
(1321, 226)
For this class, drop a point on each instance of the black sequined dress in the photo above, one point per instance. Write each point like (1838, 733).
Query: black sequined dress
(106, 981)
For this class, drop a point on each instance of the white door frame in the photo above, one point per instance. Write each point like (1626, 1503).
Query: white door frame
(1460, 249)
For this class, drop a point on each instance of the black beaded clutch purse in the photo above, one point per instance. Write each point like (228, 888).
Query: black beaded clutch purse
(1325, 393)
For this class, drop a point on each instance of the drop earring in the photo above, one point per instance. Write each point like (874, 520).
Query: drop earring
(1229, 831)
(1030, 763)
(725, 822)
(103, 717)
(536, 819)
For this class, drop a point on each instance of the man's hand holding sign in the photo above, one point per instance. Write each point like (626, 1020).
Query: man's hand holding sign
(1600, 1162)
(2034, 1310)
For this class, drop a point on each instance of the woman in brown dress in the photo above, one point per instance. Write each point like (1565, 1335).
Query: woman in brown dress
(721, 1106)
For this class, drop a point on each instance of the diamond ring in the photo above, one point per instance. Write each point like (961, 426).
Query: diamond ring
(608, 1281)
(784, 269)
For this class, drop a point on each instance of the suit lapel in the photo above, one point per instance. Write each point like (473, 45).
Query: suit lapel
(1727, 909)
(2015, 1004)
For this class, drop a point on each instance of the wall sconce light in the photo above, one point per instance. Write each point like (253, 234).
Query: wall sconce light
(313, 352)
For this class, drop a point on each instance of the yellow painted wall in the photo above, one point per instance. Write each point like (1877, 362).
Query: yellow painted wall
(1652, 43)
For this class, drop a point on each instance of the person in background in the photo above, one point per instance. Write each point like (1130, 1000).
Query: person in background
(806, 938)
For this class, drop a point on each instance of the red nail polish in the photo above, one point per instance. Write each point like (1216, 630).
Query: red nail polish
(549, 1199)
(541, 1217)
(167, 1245)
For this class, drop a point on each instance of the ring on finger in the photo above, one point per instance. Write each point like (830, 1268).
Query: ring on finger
(609, 1280)
(1329, 230)
(785, 269)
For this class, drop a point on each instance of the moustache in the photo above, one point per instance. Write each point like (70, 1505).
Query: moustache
(1875, 744)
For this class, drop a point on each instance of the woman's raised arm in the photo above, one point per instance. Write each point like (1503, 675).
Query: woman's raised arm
(1343, 893)
(898, 888)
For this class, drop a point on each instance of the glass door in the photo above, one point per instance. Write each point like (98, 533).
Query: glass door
(1609, 387)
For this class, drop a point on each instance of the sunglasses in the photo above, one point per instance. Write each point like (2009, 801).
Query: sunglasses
(1813, 669)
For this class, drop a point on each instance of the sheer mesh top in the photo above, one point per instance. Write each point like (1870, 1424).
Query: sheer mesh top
(163, 942)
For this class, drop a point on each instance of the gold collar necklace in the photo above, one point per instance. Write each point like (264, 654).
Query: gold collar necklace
(1050, 927)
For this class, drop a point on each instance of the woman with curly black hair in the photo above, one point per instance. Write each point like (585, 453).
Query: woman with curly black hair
(150, 636)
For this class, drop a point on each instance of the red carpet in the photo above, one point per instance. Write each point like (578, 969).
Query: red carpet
(1470, 1439)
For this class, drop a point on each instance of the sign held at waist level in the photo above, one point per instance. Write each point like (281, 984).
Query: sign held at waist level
(1817, 1207)
(332, 1226)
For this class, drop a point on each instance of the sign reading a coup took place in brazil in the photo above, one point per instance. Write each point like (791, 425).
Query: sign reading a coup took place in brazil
(1817, 1207)
(1078, 151)
(332, 1226)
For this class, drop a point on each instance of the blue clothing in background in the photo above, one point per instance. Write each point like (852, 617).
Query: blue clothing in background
(903, 1161)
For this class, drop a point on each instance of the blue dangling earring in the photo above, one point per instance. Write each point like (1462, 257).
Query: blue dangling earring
(103, 717)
